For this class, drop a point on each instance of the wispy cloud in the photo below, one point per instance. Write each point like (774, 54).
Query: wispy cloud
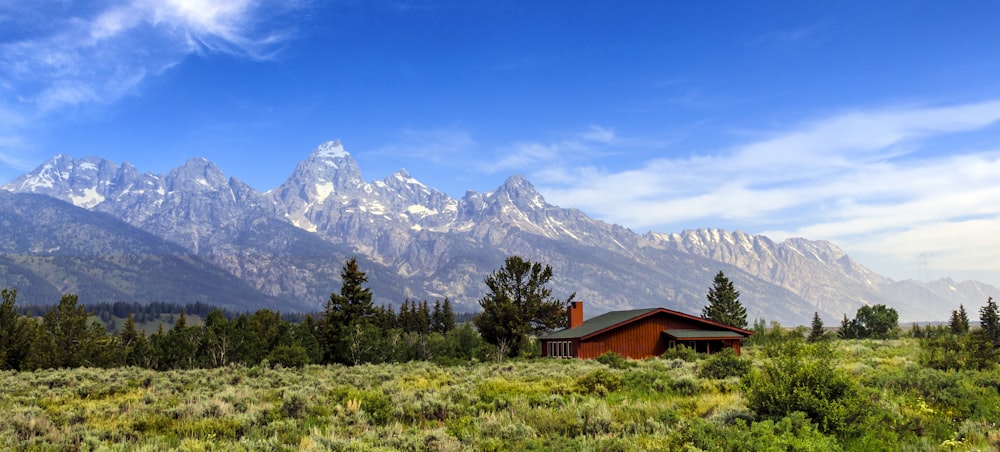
(524, 156)
(439, 146)
(96, 55)
(872, 180)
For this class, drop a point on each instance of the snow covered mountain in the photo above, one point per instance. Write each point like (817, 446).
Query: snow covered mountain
(420, 243)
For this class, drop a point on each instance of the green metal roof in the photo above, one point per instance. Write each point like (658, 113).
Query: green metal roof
(598, 323)
(702, 334)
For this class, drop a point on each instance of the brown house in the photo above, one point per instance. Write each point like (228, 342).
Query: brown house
(638, 333)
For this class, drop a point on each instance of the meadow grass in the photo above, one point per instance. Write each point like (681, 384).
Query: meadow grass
(540, 404)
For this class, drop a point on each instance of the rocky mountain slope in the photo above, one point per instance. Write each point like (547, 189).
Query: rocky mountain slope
(417, 242)
(49, 248)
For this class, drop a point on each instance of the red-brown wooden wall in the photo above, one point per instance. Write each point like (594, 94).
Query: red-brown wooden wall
(640, 339)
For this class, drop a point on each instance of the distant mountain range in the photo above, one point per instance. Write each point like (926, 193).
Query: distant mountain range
(196, 235)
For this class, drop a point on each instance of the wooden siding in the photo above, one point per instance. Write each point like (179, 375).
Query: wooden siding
(644, 338)
(640, 339)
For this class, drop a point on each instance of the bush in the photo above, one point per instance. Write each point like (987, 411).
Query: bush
(681, 352)
(958, 352)
(805, 378)
(288, 356)
(724, 364)
(599, 381)
(614, 360)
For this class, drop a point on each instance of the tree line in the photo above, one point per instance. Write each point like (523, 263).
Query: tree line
(350, 330)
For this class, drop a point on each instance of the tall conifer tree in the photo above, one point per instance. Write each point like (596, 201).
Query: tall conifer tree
(724, 303)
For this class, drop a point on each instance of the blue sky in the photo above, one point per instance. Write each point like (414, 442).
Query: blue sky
(870, 124)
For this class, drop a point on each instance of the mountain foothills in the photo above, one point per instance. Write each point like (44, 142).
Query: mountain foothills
(195, 235)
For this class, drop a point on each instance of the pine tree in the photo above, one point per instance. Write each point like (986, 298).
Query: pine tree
(343, 311)
(66, 325)
(14, 340)
(130, 333)
(724, 303)
(423, 318)
(848, 328)
(953, 323)
(817, 331)
(963, 319)
(437, 318)
(518, 305)
(989, 320)
(447, 316)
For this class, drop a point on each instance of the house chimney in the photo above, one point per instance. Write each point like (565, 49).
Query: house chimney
(574, 314)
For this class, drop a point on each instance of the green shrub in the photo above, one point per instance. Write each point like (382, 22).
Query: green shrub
(805, 378)
(614, 360)
(681, 352)
(724, 364)
(599, 382)
(959, 352)
(288, 356)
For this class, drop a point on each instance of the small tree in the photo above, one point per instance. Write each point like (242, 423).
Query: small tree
(989, 320)
(959, 321)
(816, 333)
(724, 303)
(353, 305)
(878, 321)
(848, 329)
(518, 305)
(14, 340)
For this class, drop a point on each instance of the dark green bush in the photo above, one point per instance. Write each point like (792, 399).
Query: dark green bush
(599, 381)
(681, 352)
(288, 356)
(724, 364)
(614, 360)
(972, 351)
(799, 377)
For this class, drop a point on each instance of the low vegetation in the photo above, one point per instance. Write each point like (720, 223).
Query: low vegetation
(829, 395)
(364, 378)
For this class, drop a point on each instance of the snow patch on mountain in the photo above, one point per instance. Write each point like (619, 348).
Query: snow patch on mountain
(331, 150)
(88, 199)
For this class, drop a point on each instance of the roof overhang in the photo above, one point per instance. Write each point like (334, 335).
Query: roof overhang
(701, 335)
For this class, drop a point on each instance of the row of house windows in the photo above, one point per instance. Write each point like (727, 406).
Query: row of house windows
(560, 349)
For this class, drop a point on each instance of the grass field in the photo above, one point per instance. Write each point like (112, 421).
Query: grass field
(543, 404)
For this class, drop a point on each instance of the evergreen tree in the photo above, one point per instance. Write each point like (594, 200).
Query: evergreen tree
(407, 318)
(915, 331)
(848, 329)
(385, 318)
(345, 310)
(724, 303)
(518, 305)
(423, 318)
(817, 331)
(66, 337)
(959, 323)
(305, 333)
(989, 320)
(447, 316)
(14, 340)
(130, 333)
(437, 318)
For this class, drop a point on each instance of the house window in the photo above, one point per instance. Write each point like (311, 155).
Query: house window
(560, 349)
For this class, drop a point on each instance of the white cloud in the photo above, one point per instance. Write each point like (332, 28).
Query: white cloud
(98, 54)
(874, 182)
(434, 145)
(524, 156)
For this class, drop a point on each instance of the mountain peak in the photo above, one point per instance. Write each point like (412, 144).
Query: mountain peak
(330, 150)
(197, 174)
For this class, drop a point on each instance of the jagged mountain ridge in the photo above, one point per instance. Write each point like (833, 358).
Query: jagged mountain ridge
(424, 244)
(50, 248)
